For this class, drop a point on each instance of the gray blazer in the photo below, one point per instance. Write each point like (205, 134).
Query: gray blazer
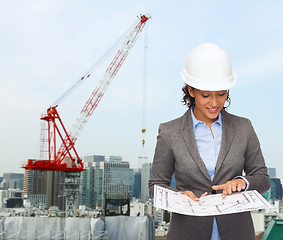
(176, 151)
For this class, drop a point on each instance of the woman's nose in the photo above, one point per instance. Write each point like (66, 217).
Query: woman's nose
(213, 100)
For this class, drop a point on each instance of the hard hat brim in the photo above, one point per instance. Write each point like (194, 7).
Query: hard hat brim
(211, 84)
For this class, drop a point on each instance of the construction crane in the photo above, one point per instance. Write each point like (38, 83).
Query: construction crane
(66, 158)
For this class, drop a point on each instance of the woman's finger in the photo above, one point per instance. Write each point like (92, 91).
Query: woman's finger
(240, 187)
(218, 187)
(233, 186)
(191, 195)
(204, 194)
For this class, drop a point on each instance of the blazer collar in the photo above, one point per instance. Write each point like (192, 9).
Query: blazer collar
(228, 132)
(188, 135)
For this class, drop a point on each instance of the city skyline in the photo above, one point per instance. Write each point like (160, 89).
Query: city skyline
(47, 46)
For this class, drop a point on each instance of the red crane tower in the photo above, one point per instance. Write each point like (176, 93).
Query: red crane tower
(66, 158)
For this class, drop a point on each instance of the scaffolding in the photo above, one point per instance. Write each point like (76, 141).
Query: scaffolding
(71, 192)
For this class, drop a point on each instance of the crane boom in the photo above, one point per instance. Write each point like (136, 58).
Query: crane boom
(63, 160)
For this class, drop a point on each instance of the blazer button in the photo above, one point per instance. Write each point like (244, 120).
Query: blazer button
(213, 192)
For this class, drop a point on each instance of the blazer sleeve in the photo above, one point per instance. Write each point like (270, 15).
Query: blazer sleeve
(255, 168)
(163, 162)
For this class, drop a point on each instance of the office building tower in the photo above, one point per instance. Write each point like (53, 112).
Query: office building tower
(271, 172)
(137, 183)
(94, 158)
(145, 176)
(276, 184)
(13, 180)
(104, 176)
(113, 158)
(275, 190)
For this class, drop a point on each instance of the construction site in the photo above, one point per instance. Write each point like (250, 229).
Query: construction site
(54, 178)
(78, 165)
(65, 158)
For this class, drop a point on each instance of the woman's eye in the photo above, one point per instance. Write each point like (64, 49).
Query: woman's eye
(222, 94)
(205, 96)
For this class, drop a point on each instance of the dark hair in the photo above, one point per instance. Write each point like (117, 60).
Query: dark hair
(189, 101)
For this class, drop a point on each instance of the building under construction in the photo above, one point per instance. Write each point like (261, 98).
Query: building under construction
(45, 188)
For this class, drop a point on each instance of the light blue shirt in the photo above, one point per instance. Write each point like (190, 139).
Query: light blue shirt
(209, 148)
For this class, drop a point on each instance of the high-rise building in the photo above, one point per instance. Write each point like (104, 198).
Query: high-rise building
(104, 175)
(275, 190)
(137, 183)
(13, 180)
(145, 176)
(276, 184)
(45, 188)
(94, 158)
(271, 172)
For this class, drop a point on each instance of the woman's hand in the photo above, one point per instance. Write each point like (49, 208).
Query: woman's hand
(231, 186)
(191, 195)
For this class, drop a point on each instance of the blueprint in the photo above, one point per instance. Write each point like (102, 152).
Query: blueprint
(209, 205)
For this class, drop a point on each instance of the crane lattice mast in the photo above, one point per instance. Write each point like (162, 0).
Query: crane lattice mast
(62, 160)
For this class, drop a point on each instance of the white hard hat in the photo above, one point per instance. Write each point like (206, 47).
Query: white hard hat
(208, 67)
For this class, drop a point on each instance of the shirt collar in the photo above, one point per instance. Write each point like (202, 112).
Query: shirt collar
(196, 122)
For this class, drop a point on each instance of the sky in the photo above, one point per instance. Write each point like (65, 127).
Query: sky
(46, 46)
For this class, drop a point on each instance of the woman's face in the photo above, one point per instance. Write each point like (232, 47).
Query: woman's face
(208, 104)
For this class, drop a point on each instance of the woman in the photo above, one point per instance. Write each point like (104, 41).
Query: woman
(209, 149)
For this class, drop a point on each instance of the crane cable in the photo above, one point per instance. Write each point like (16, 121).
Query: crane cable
(145, 65)
(88, 73)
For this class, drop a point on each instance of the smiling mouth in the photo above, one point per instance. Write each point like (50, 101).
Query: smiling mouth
(212, 109)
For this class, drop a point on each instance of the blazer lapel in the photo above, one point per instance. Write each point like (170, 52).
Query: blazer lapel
(188, 135)
(227, 138)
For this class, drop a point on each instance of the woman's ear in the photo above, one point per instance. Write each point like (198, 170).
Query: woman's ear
(191, 91)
